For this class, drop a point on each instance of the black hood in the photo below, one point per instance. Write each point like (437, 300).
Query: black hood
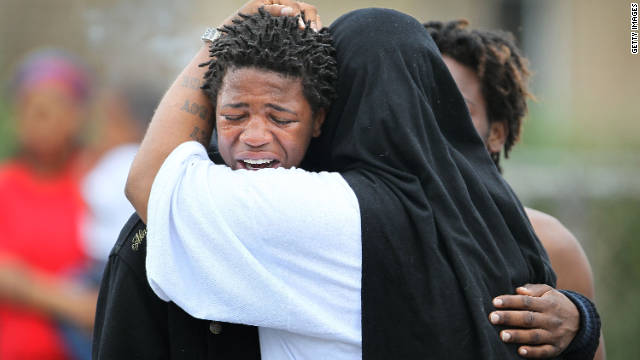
(442, 232)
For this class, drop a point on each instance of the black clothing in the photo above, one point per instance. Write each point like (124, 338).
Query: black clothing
(585, 344)
(133, 323)
(442, 232)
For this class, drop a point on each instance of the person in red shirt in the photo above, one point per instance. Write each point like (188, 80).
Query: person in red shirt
(41, 210)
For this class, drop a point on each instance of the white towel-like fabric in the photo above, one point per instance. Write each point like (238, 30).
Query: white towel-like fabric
(276, 248)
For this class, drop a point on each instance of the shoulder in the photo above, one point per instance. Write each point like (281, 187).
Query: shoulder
(552, 233)
(567, 256)
(131, 245)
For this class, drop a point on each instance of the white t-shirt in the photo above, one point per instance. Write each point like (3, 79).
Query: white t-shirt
(276, 248)
(103, 191)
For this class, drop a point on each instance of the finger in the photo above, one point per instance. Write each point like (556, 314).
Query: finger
(289, 3)
(533, 289)
(310, 14)
(538, 352)
(520, 302)
(278, 10)
(522, 319)
(529, 337)
(283, 2)
(291, 8)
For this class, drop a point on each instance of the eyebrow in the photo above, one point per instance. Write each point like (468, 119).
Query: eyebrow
(280, 108)
(235, 105)
(273, 106)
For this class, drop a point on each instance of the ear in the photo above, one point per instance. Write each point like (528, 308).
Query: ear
(497, 136)
(318, 120)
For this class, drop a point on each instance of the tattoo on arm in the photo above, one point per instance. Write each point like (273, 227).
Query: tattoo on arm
(190, 82)
(198, 135)
(196, 109)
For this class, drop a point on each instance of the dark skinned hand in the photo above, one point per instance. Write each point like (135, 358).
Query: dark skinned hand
(538, 316)
(281, 8)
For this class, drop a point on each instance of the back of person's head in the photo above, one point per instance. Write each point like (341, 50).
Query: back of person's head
(140, 99)
(276, 44)
(124, 111)
(501, 68)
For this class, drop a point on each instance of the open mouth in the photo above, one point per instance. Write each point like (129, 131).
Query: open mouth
(257, 164)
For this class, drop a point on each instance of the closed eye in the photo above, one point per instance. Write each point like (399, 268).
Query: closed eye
(280, 121)
(233, 117)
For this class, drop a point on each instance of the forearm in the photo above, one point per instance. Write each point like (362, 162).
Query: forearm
(61, 299)
(183, 114)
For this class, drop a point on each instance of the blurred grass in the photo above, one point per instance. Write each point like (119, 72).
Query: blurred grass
(553, 125)
(606, 225)
(608, 229)
(614, 228)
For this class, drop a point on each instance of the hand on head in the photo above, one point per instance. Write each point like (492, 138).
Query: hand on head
(309, 13)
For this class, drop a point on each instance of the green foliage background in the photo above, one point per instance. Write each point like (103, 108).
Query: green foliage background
(7, 138)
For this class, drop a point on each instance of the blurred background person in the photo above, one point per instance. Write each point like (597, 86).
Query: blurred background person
(123, 112)
(493, 78)
(42, 209)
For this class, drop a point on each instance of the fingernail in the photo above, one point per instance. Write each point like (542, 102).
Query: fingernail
(301, 23)
(497, 302)
(522, 351)
(523, 288)
(314, 25)
(286, 11)
(506, 336)
(495, 318)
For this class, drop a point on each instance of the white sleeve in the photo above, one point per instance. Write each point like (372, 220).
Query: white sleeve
(279, 248)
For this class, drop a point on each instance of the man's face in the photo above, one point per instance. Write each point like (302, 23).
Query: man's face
(263, 120)
(493, 134)
(469, 85)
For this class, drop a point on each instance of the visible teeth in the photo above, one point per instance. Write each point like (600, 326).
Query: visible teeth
(257, 161)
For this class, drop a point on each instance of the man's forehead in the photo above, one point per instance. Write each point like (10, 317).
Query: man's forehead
(248, 78)
(248, 86)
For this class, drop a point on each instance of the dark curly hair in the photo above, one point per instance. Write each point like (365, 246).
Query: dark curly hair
(275, 43)
(502, 70)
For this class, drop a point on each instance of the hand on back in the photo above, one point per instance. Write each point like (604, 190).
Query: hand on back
(540, 317)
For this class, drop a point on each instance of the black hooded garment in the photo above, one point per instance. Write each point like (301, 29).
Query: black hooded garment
(442, 232)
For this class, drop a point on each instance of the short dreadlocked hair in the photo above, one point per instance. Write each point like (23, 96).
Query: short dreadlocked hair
(502, 70)
(275, 43)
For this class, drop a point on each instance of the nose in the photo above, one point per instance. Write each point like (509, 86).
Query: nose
(256, 132)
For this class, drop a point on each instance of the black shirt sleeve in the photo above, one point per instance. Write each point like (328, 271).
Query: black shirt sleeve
(131, 321)
(585, 344)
